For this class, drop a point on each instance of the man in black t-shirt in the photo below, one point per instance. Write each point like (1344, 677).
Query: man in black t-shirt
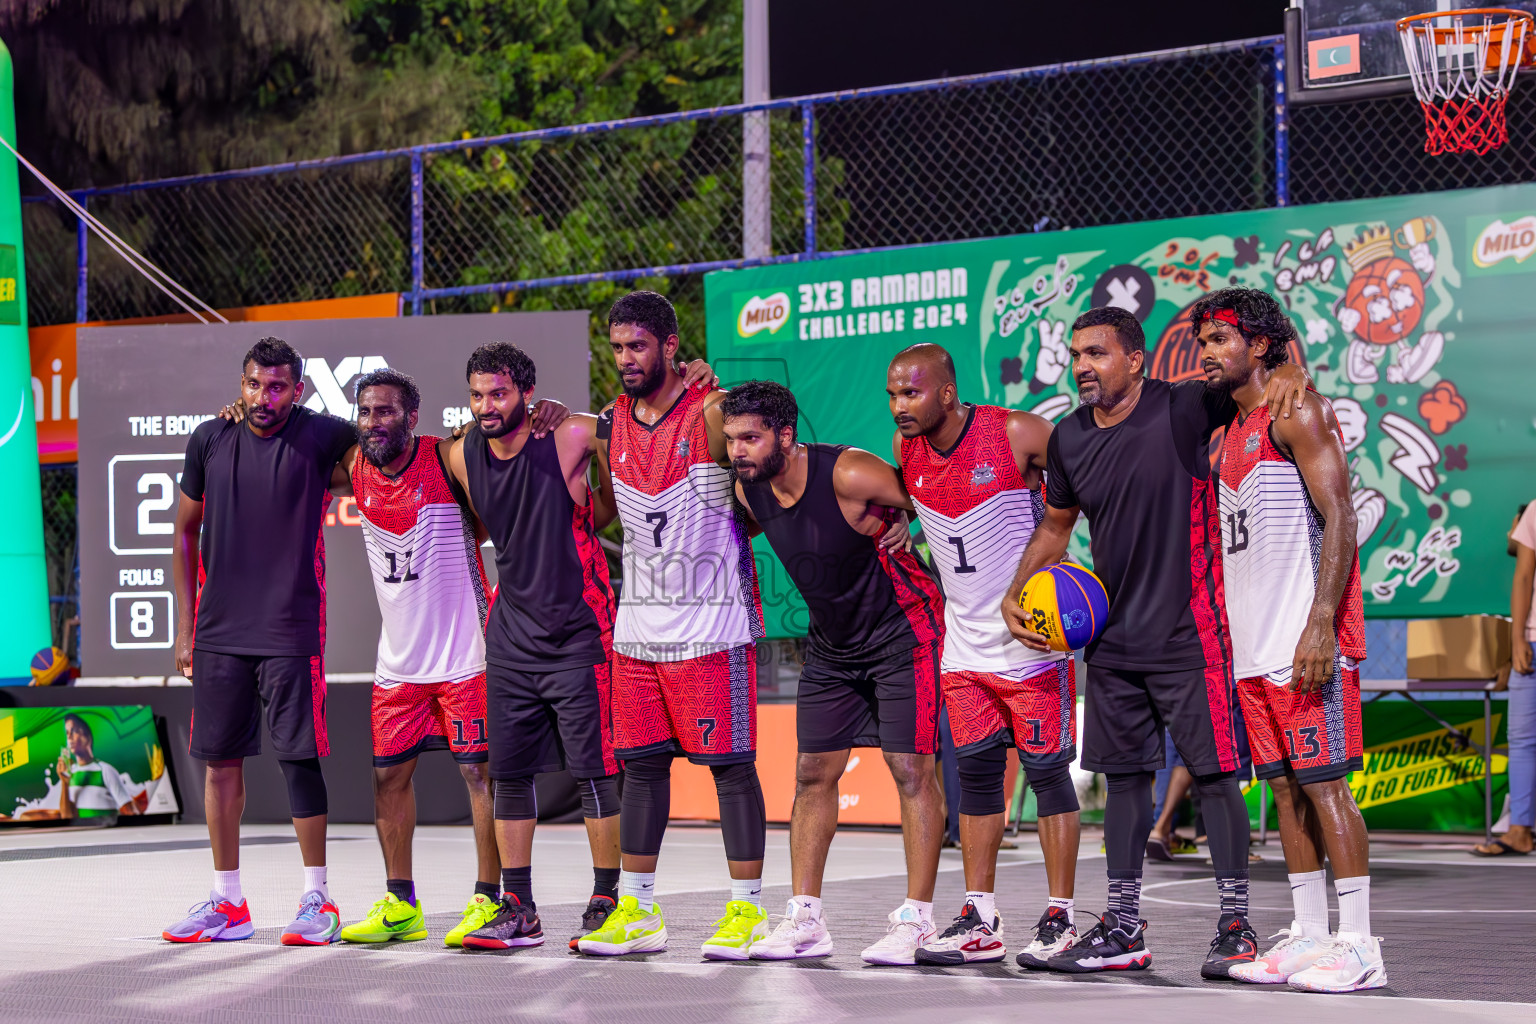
(249, 571)
(1134, 459)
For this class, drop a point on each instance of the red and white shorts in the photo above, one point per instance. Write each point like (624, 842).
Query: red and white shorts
(411, 717)
(704, 708)
(1037, 714)
(1316, 733)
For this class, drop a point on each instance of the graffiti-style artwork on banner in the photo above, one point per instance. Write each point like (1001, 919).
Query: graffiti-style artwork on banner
(1415, 318)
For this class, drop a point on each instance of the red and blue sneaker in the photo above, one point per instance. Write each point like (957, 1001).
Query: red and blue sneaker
(216, 920)
(318, 923)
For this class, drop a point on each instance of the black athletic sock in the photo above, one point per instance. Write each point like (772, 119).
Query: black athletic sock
(518, 882)
(490, 890)
(605, 882)
(1234, 894)
(403, 888)
(1226, 819)
(1125, 897)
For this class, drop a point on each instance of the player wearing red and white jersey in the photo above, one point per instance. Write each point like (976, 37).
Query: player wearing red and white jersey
(684, 666)
(1292, 575)
(429, 681)
(975, 476)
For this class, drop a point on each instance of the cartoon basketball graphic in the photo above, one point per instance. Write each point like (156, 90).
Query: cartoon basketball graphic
(1384, 303)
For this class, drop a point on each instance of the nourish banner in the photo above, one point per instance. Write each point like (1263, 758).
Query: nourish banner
(1415, 315)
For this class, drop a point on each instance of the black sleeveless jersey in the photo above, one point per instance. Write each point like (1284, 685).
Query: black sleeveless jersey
(865, 603)
(554, 607)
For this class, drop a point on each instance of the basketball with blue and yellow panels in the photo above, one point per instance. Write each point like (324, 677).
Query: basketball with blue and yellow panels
(1067, 605)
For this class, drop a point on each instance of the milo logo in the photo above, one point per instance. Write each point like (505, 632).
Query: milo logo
(760, 313)
(1510, 244)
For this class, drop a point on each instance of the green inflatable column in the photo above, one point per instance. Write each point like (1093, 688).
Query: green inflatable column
(23, 570)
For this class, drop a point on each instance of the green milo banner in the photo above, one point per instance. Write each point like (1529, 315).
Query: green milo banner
(1417, 777)
(81, 763)
(24, 606)
(1416, 317)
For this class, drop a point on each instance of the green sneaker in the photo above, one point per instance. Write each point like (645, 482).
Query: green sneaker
(627, 930)
(742, 925)
(390, 918)
(477, 914)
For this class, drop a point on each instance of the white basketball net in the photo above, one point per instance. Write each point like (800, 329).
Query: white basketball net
(1463, 66)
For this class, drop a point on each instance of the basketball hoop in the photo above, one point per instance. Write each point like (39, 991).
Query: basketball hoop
(1463, 66)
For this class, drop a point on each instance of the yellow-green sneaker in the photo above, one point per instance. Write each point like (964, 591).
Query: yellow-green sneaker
(477, 914)
(627, 930)
(742, 925)
(390, 918)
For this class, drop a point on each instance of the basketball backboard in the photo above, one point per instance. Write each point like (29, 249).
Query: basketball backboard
(1351, 49)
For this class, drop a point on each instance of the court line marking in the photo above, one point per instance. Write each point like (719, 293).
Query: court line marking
(867, 973)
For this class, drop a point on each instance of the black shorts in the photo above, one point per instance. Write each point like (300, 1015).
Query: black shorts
(229, 692)
(1125, 712)
(891, 703)
(546, 721)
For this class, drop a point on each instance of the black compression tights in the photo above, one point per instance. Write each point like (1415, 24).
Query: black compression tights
(647, 803)
(1128, 822)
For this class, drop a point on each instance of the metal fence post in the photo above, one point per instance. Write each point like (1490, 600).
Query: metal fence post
(418, 234)
(808, 141)
(82, 236)
(1282, 130)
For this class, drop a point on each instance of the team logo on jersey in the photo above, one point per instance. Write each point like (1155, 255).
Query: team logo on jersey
(1252, 444)
(983, 475)
(682, 448)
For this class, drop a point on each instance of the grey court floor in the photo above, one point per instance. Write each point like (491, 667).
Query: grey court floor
(83, 911)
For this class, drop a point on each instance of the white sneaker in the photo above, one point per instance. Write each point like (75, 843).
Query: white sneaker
(1053, 934)
(1348, 963)
(969, 940)
(1293, 954)
(908, 930)
(800, 934)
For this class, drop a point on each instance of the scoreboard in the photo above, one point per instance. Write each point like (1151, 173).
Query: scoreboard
(145, 389)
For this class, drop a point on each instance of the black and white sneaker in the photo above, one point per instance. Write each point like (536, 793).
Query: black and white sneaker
(598, 909)
(516, 925)
(1053, 934)
(1235, 943)
(1107, 946)
(968, 940)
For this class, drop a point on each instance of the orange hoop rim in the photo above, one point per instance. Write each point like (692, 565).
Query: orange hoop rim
(1494, 30)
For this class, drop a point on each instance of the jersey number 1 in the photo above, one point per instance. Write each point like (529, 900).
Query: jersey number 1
(959, 543)
(397, 561)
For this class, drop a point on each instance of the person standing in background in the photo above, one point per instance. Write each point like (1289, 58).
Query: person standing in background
(1521, 730)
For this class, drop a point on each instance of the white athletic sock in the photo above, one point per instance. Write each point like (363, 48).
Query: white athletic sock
(1066, 906)
(314, 880)
(227, 884)
(811, 903)
(924, 910)
(1309, 895)
(1354, 905)
(641, 885)
(748, 890)
(985, 904)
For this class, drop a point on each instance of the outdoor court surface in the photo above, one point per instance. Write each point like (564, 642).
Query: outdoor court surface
(84, 910)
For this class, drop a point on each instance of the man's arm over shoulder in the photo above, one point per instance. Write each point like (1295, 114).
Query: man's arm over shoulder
(1029, 437)
(604, 506)
(1311, 436)
(341, 476)
(864, 476)
(576, 441)
(714, 426)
